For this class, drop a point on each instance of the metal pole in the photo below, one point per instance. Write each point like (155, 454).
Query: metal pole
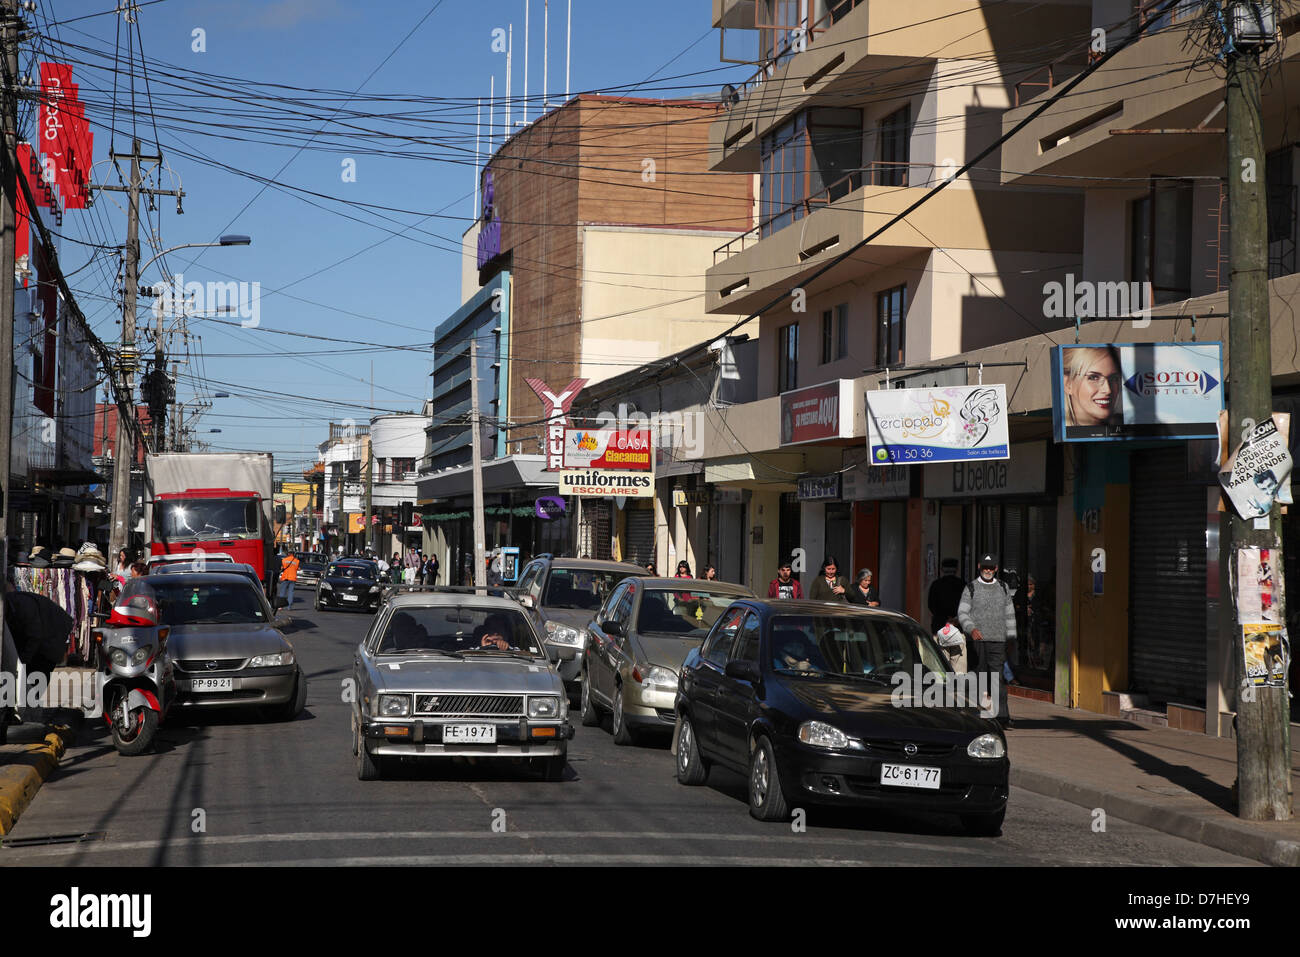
(478, 119)
(568, 44)
(546, 55)
(525, 62)
(8, 196)
(480, 533)
(126, 430)
(1263, 748)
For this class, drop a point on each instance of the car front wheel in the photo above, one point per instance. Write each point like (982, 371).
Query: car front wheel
(622, 733)
(368, 765)
(691, 769)
(590, 716)
(766, 799)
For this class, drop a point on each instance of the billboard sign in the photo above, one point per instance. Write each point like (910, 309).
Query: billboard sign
(557, 406)
(618, 449)
(817, 413)
(603, 483)
(813, 488)
(937, 424)
(1125, 391)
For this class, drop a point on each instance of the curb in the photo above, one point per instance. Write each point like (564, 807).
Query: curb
(1230, 836)
(23, 775)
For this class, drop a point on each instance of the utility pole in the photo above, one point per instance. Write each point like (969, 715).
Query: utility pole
(370, 488)
(1263, 748)
(480, 533)
(8, 198)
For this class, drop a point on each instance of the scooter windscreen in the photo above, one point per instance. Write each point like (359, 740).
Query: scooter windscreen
(136, 610)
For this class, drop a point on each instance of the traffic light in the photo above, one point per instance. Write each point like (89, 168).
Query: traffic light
(407, 508)
(279, 514)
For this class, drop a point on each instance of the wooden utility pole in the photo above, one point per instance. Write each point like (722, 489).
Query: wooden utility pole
(480, 533)
(370, 488)
(1263, 748)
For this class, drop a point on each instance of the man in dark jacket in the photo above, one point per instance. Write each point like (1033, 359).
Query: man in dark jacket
(39, 630)
(945, 596)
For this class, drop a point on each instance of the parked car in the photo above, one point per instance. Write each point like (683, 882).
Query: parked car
(446, 674)
(352, 583)
(798, 696)
(561, 594)
(638, 640)
(225, 643)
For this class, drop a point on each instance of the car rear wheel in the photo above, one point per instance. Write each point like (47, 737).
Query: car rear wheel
(295, 705)
(369, 766)
(691, 769)
(984, 825)
(766, 799)
(590, 716)
(622, 733)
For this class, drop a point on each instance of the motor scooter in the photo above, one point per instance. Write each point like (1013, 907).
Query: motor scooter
(138, 685)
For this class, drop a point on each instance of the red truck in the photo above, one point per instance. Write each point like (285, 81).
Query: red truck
(214, 502)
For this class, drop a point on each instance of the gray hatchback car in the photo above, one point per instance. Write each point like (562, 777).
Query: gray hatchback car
(562, 594)
(456, 673)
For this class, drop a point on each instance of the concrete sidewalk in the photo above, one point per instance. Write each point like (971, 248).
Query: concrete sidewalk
(1179, 782)
(31, 754)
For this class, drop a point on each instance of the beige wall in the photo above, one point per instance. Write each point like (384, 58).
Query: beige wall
(651, 284)
(468, 262)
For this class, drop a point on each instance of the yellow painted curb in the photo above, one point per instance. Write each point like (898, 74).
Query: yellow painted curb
(24, 773)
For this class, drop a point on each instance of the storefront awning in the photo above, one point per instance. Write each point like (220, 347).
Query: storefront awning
(512, 473)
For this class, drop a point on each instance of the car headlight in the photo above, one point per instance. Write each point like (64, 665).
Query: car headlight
(141, 655)
(656, 677)
(271, 661)
(558, 634)
(819, 734)
(987, 746)
(118, 656)
(374, 589)
(325, 584)
(394, 705)
(544, 706)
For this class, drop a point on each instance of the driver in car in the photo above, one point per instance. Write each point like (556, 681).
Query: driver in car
(492, 633)
(798, 654)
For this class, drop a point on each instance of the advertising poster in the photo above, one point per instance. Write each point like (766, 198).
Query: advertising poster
(627, 450)
(1126, 391)
(816, 413)
(1265, 660)
(939, 424)
(1253, 475)
(1255, 584)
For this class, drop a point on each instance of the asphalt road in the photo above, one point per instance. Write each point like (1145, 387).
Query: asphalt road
(236, 789)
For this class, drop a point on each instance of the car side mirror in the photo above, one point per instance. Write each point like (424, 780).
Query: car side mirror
(527, 601)
(744, 671)
(612, 628)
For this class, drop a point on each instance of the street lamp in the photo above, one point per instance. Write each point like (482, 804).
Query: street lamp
(231, 240)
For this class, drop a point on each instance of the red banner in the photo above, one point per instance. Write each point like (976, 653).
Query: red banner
(65, 138)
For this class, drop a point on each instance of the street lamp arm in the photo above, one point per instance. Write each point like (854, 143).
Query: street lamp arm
(224, 241)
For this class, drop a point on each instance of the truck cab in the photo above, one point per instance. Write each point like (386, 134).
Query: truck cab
(215, 520)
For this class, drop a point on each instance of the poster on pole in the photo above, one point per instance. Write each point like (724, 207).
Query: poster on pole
(1256, 599)
(938, 424)
(1253, 475)
(1263, 647)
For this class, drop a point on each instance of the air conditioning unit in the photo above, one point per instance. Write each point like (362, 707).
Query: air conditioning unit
(1253, 23)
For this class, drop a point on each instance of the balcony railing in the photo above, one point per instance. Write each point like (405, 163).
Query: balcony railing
(796, 40)
(879, 173)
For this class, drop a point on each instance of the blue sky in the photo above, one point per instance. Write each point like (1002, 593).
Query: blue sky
(322, 273)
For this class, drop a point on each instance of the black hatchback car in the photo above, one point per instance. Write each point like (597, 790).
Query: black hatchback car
(349, 583)
(819, 703)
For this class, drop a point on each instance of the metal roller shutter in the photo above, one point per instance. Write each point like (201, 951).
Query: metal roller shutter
(594, 531)
(1167, 603)
(640, 529)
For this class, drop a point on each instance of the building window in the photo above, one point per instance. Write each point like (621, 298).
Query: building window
(1280, 177)
(401, 467)
(893, 152)
(891, 312)
(812, 160)
(1160, 231)
(834, 333)
(787, 360)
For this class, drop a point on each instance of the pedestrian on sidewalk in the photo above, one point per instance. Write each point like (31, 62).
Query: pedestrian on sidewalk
(829, 585)
(988, 617)
(945, 596)
(784, 585)
(40, 630)
(863, 592)
(710, 573)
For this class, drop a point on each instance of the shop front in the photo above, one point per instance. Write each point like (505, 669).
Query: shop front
(1007, 507)
(875, 499)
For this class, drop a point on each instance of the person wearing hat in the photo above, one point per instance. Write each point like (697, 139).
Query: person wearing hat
(987, 615)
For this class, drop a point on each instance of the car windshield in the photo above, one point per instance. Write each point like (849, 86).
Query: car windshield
(685, 614)
(208, 602)
(208, 518)
(579, 587)
(457, 630)
(853, 645)
(354, 572)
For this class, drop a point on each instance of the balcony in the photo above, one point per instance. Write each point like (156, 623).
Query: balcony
(749, 270)
(1128, 118)
(866, 49)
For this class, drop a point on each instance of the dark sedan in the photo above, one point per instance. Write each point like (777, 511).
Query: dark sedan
(351, 583)
(819, 703)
